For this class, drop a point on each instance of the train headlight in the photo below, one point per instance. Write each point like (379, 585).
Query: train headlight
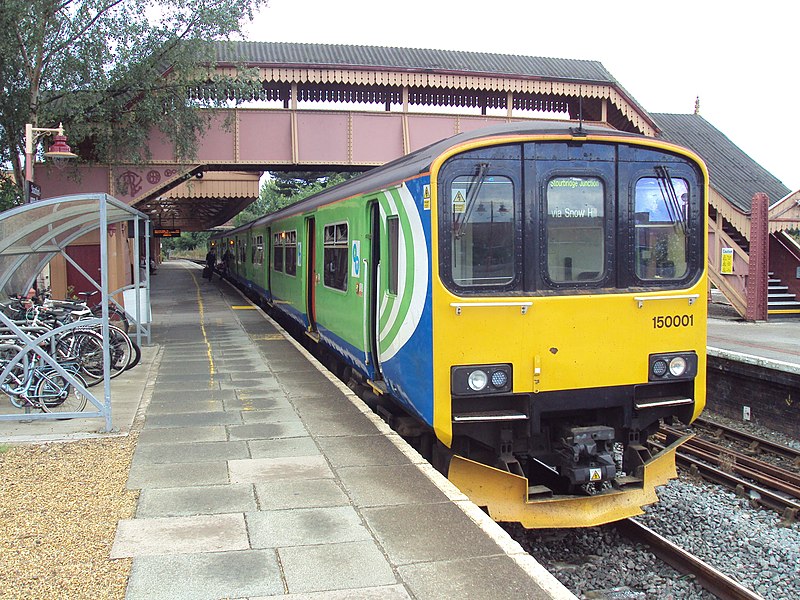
(473, 380)
(499, 379)
(675, 365)
(660, 368)
(477, 380)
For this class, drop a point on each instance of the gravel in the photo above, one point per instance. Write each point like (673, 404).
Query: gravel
(59, 507)
(754, 546)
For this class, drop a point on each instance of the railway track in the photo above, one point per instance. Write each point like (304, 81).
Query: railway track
(713, 580)
(753, 444)
(764, 483)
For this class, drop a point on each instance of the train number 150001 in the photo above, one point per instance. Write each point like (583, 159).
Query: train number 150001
(662, 322)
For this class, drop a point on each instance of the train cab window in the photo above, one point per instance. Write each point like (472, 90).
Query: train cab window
(277, 252)
(335, 255)
(482, 242)
(290, 252)
(662, 232)
(575, 229)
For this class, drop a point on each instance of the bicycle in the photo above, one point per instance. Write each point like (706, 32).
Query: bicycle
(30, 382)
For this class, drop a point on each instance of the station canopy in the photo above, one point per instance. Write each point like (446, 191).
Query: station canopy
(31, 235)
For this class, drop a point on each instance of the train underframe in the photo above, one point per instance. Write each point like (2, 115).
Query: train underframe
(570, 458)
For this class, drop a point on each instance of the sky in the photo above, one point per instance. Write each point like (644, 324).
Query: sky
(741, 59)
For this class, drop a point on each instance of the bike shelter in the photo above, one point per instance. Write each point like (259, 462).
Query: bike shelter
(30, 236)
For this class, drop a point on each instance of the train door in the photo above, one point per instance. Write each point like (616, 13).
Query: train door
(268, 262)
(311, 274)
(373, 285)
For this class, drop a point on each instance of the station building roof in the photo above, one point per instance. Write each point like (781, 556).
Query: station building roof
(735, 175)
(473, 63)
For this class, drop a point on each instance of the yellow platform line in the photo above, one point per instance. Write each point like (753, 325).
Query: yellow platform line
(211, 368)
(242, 307)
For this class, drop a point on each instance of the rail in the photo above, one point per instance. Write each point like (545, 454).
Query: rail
(711, 579)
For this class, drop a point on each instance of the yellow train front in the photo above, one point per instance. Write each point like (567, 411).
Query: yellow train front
(569, 318)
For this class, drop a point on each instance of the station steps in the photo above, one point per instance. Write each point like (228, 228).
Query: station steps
(780, 301)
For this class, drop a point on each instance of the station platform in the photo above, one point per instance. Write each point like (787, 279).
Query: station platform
(261, 475)
(772, 344)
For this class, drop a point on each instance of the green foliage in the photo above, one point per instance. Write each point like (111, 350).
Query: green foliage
(283, 189)
(10, 195)
(112, 70)
(189, 240)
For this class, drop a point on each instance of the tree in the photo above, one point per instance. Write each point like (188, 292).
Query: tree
(283, 189)
(111, 70)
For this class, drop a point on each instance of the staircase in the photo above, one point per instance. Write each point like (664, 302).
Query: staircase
(780, 301)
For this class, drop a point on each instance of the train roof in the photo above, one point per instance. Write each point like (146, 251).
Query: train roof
(419, 162)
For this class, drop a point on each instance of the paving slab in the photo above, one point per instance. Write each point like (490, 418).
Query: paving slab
(311, 493)
(177, 435)
(387, 592)
(420, 532)
(177, 475)
(335, 566)
(372, 486)
(179, 452)
(305, 527)
(176, 535)
(193, 419)
(202, 500)
(483, 578)
(261, 470)
(283, 447)
(207, 576)
(267, 430)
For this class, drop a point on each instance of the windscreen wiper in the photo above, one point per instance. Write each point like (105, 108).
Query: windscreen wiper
(670, 196)
(474, 189)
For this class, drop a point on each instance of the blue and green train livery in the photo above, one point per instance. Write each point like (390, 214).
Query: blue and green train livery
(532, 295)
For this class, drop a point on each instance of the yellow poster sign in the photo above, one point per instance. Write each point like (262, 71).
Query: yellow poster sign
(726, 265)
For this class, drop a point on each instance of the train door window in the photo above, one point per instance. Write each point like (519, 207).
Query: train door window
(393, 234)
(290, 252)
(242, 251)
(258, 250)
(483, 222)
(662, 232)
(575, 229)
(277, 252)
(335, 256)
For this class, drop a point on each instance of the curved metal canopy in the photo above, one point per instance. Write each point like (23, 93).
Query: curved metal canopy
(31, 235)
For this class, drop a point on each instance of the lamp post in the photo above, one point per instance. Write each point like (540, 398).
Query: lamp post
(58, 150)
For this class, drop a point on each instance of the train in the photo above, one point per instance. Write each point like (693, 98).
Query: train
(526, 303)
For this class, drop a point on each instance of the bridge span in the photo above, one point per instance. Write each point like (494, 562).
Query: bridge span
(396, 100)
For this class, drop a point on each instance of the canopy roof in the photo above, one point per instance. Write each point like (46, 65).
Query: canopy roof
(31, 235)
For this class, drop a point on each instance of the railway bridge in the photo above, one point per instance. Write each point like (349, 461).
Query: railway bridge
(329, 107)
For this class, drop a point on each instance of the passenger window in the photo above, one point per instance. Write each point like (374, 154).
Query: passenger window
(277, 252)
(335, 255)
(662, 215)
(575, 229)
(290, 250)
(483, 215)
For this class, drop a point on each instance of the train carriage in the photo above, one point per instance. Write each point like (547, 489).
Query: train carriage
(532, 295)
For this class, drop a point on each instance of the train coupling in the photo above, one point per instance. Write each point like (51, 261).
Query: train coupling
(587, 457)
